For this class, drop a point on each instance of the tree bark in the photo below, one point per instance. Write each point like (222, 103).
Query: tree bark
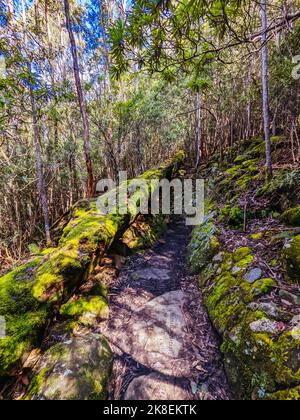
(39, 161)
(39, 166)
(266, 110)
(198, 145)
(10, 7)
(86, 131)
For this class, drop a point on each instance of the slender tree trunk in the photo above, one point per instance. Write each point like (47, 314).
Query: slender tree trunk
(112, 158)
(198, 145)
(231, 133)
(274, 122)
(39, 161)
(106, 51)
(266, 110)
(10, 7)
(82, 104)
(39, 166)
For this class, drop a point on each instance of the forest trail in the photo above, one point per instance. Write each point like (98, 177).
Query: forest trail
(164, 345)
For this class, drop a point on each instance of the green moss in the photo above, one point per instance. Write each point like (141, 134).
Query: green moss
(245, 262)
(77, 369)
(233, 216)
(207, 273)
(95, 305)
(292, 260)
(36, 384)
(280, 191)
(239, 159)
(263, 286)
(23, 315)
(227, 312)
(34, 249)
(21, 331)
(235, 180)
(256, 362)
(223, 285)
(15, 287)
(256, 236)
(241, 254)
(259, 149)
(59, 272)
(203, 246)
(144, 232)
(292, 216)
(292, 394)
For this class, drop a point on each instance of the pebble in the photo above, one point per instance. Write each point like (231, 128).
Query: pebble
(264, 325)
(253, 275)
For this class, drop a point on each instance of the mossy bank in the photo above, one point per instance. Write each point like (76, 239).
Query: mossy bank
(248, 264)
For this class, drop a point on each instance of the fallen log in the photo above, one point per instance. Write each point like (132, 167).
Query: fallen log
(31, 294)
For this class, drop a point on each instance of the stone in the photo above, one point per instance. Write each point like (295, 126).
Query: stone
(151, 273)
(264, 325)
(253, 275)
(295, 331)
(76, 369)
(236, 269)
(290, 297)
(291, 257)
(271, 310)
(219, 257)
(155, 336)
(296, 321)
(149, 387)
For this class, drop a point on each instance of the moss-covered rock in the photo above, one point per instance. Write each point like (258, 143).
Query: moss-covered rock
(203, 246)
(77, 369)
(260, 343)
(260, 340)
(144, 232)
(291, 394)
(291, 256)
(292, 216)
(23, 314)
(261, 358)
(86, 310)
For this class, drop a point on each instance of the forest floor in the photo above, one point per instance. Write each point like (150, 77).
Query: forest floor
(164, 345)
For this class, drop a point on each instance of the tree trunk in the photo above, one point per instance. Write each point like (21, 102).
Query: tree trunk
(198, 145)
(82, 104)
(10, 7)
(39, 161)
(266, 90)
(39, 166)
(274, 122)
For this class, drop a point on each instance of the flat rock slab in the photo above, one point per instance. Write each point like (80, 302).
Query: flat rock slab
(151, 274)
(156, 334)
(156, 387)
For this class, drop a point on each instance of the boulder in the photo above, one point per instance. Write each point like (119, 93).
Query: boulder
(291, 257)
(76, 369)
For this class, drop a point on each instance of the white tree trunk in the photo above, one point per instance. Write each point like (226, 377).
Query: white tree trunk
(266, 89)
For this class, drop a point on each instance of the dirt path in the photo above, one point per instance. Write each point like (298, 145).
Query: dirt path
(163, 342)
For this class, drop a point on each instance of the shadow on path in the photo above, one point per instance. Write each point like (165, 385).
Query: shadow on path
(164, 345)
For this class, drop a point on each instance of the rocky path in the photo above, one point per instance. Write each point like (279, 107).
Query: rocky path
(164, 345)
